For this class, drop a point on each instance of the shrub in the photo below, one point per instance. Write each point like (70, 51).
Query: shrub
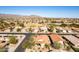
(74, 25)
(63, 25)
(75, 49)
(57, 45)
(29, 43)
(47, 46)
(13, 40)
(68, 48)
(18, 29)
(3, 50)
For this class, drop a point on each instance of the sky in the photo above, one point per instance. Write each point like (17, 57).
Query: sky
(44, 11)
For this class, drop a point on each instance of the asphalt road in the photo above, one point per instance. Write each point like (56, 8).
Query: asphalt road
(20, 48)
(20, 33)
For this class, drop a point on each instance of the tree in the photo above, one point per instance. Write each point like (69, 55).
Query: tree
(57, 45)
(13, 40)
(21, 24)
(11, 29)
(30, 29)
(51, 27)
(74, 25)
(18, 29)
(63, 25)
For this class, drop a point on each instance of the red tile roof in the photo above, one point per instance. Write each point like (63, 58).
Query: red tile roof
(42, 39)
(56, 37)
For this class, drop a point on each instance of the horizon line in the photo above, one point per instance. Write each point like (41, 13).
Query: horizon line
(36, 15)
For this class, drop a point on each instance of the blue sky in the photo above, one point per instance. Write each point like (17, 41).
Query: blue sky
(48, 11)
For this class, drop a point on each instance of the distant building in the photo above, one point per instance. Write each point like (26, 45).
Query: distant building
(44, 29)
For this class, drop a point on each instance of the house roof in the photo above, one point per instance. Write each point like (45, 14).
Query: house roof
(56, 37)
(42, 39)
(72, 39)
